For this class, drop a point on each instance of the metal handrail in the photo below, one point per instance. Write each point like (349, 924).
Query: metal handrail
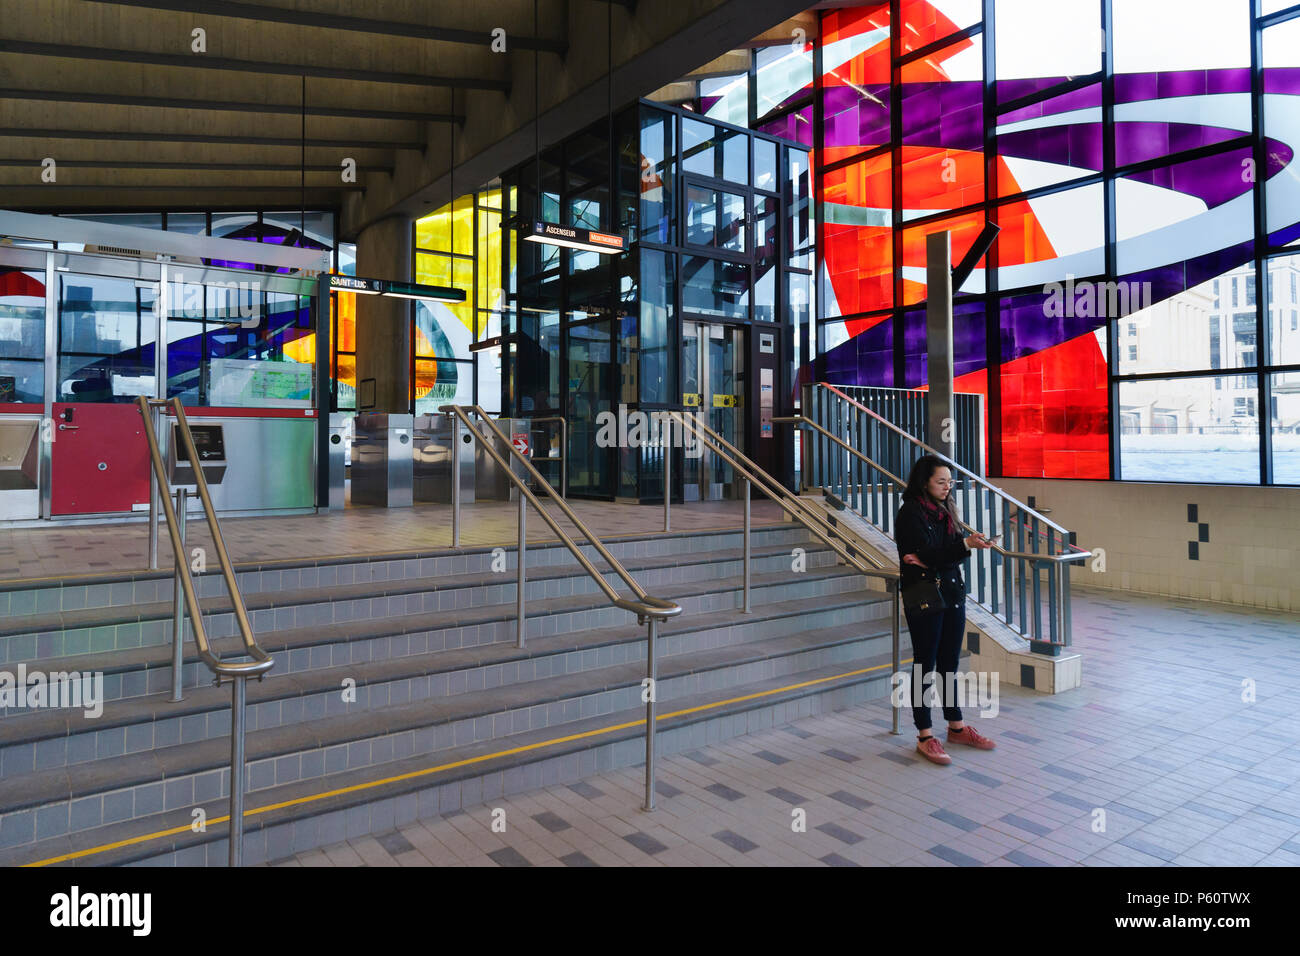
(1020, 569)
(1076, 554)
(237, 672)
(649, 611)
(810, 518)
(814, 521)
(261, 662)
(983, 482)
(645, 606)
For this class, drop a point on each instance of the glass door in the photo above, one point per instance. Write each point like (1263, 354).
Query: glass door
(713, 378)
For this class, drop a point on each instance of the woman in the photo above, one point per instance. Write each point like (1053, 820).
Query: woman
(930, 542)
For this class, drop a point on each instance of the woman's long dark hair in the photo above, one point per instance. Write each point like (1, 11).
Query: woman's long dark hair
(920, 476)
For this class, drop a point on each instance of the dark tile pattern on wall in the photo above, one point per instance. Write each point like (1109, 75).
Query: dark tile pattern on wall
(1202, 533)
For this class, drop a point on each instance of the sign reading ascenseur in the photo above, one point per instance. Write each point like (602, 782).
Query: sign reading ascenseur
(573, 237)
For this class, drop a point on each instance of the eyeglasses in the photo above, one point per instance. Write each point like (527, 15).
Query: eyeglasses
(943, 482)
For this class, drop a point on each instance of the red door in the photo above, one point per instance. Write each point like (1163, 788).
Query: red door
(99, 461)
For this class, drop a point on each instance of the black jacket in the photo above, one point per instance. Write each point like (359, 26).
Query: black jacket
(920, 532)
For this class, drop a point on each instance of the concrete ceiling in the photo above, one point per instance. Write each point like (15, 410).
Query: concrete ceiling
(132, 114)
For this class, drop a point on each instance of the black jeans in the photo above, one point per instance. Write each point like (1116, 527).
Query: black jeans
(936, 645)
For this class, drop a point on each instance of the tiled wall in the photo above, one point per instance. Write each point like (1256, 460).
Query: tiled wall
(1239, 545)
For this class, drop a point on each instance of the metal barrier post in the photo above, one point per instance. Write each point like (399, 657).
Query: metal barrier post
(564, 458)
(668, 470)
(237, 772)
(651, 630)
(154, 492)
(747, 547)
(898, 662)
(523, 560)
(178, 610)
(455, 481)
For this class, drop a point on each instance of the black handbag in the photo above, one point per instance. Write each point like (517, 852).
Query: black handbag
(925, 596)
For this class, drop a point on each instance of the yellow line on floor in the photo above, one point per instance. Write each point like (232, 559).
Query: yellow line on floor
(312, 798)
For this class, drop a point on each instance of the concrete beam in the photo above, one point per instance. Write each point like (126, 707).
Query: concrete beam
(652, 47)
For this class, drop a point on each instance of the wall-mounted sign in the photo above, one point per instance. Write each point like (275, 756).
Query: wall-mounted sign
(572, 237)
(766, 342)
(400, 290)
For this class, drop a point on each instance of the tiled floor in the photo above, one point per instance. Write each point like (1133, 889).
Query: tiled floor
(62, 549)
(1160, 738)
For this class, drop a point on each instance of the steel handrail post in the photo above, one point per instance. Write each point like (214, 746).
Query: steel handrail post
(651, 692)
(155, 490)
(747, 547)
(898, 659)
(523, 560)
(178, 602)
(668, 471)
(237, 704)
(455, 481)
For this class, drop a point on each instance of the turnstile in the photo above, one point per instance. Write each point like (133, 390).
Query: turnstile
(382, 460)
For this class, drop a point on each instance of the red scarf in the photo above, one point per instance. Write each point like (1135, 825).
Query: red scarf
(936, 511)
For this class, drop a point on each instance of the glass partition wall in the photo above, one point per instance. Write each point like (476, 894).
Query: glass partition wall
(715, 221)
(80, 341)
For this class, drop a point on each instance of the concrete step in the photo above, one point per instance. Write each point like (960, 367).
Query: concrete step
(46, 739)
(51, 802)
(54, 635)
(293, 817)
(137, 671)
(21, 597)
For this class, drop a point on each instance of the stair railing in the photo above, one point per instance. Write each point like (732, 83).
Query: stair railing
(1007, 580)
(235, 671)
(813, 519)
(649, 611)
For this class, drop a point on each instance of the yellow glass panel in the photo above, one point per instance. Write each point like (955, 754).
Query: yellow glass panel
(490, 295)
(345, 371)
(302, 350)
(490, 198)
(347, 322)
(443, 270)
(433, 232)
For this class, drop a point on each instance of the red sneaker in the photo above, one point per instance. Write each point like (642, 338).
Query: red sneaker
(932, 750)
(971, 737)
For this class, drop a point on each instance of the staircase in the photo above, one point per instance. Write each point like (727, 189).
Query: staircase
(855, 468)
(398, 690)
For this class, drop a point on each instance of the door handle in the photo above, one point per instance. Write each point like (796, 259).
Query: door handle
(68, 428)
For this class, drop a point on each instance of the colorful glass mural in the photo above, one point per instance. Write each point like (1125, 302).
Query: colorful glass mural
(1127, 204)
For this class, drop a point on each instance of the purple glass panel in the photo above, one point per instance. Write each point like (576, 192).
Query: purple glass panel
(796, 126)
(1282, 79)
(865, 359)
(1086, 98)
(1078, 145)
(1138, 87)
(1008, 90)
(1215, 179)
(1027, 328)
(915, 365)
(950, 115)
(1135, 142)
(968, 337)
(856, 120)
